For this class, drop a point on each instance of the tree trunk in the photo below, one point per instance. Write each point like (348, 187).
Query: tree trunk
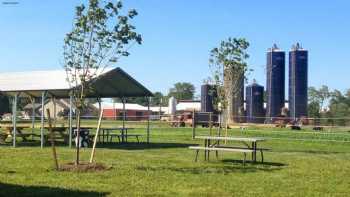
(78, 137)
(234, 88)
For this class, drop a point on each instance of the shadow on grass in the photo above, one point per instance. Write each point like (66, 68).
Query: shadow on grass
(265, 164)
(142, 145)
(236, 167)
(33, 143)
(108, 145)
(26, 191)
(322, 152)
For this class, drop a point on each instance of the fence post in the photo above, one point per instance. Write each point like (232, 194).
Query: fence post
(193, 125)
(210, 123)
(148, 118)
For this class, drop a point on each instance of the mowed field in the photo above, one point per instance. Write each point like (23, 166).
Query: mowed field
(300, 163)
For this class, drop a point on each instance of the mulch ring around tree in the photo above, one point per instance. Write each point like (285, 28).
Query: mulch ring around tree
(84, 167)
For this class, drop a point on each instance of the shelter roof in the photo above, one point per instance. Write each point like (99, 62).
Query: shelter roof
(107, 84)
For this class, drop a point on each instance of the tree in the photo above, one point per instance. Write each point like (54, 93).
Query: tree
(339, 109)
(318, 98)
(228, 64)
(101, 34)
(314, 109)
(182, 91)
(157, 99)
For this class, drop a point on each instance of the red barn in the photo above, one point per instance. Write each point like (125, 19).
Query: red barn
(133, 111)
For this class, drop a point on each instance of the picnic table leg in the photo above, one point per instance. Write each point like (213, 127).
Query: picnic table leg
(205, 151)
(208, 150)
(196, 156)
(107, 135)
(122, 134)
(245, 157)
(126, 135)
(19, 131)
(103, 136)
(254, 152)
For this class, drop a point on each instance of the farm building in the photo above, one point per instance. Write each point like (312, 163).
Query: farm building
(188, 106)
(132, 111)
(58, 108)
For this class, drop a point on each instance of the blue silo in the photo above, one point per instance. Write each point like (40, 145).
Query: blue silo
(255, 103)
(207, 96)
(298, 77)
(275, 82)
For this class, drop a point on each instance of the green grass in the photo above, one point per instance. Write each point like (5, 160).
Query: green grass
(301, 163)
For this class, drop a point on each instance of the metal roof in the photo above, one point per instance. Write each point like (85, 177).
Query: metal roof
(108, 84)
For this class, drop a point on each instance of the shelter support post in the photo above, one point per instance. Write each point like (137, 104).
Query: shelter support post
(124, 113)
(114, 111)
(14, 119)
(43, 95)
(148, 118)
(54, 111)
(70, 120)
(33, 115)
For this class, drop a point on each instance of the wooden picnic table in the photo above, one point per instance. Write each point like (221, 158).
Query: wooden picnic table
(214, 142)
(123, 133)
(8, 131)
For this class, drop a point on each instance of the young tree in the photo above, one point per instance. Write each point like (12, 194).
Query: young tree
(101, 34)
(228, 64)
(182, 91)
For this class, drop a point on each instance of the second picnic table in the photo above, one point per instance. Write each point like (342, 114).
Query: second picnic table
(108, 133)
(214, 142)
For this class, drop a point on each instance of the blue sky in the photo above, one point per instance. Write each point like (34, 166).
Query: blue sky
(178, 35)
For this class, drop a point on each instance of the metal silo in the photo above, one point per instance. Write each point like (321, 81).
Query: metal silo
(255, 103)
(298, 76)
(207, 97)
(172, 106)
(275, 79)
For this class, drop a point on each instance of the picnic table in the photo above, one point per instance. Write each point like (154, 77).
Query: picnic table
(122, 135)
(8, 132)
(60, 130)
(212, 143)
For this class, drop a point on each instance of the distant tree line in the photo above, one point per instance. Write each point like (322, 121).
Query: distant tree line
(332, 107)
(180, 91)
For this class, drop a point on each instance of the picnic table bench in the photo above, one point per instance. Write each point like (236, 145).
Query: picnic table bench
(120, 136)
(208, 146)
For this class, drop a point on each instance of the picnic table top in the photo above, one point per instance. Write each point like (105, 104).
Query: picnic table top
(117, 128)
(244, 139)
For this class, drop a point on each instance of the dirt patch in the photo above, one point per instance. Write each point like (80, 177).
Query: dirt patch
(84, 167)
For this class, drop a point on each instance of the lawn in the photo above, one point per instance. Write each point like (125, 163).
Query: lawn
(302, 163)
